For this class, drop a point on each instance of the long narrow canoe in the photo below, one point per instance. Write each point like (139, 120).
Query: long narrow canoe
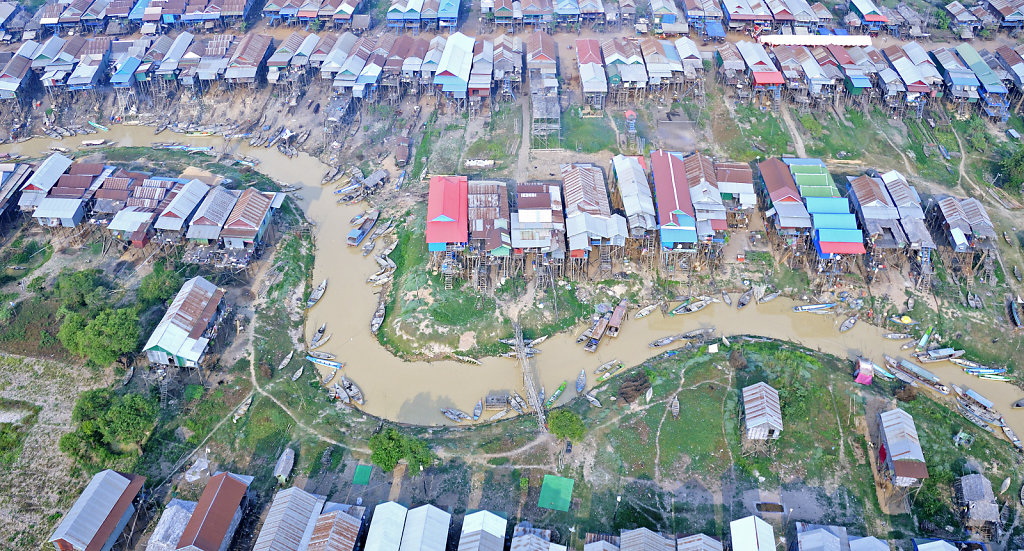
(326, 363)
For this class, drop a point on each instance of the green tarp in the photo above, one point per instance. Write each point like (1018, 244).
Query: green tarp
(556, 493)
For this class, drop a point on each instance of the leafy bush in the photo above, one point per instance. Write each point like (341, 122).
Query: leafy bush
(390, 446)
(566, 424)
(158, 286)
(106, 424)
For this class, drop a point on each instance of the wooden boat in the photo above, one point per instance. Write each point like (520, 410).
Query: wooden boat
(355, 220)
(242, 409)
(339, 393)
(517, 402)
(691, 307)
(321, 342)
(769, 297)
(555, 395)
(1014, 312)
(665, 341)
(673, 406)
(618, 316)
(920, 374)
(368, 247)
(320, 355)
(378, 317)
(699, 333)
(592, 399)
(848, 324)
(923, 343)
(910, 304)
(287, 359)
(908, 345)
(649, 394)
(973, 418)
(1018, 404)
(726, 298)
(897, 336)
(330, 175)
(598, 333)
(588, 332)
(454, 414)
(356, 236)
(537, 341)
(938, 355)
(993, 377)
(326, 363)
(1022, 495)
(1006, 237)
(499, 415)
(814, 307)
(643, 312)
(318, 335)
(606, 366)
(352, 390)
(540, 396)
(297, 374)
(478, 410)
(903, 320)
(581, 381)
(609, 374)
(745, 298)
(128, 375)
(1016, 272)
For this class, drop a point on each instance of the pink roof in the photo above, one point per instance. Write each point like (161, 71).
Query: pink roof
(448, 210)
(835, 247)
(670, 187)
(768, 77)
(588, 50)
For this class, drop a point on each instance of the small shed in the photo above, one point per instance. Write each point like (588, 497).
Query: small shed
(977, 504)
(762, 412)
(900, 451)
(283, 468)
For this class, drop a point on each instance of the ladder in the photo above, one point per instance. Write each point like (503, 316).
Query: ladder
(447, 268)
(163, 391)
(606, 259)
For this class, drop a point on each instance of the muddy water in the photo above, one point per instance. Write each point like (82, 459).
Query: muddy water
(413, 392)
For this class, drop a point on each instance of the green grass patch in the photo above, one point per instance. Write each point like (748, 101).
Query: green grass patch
(587, 134)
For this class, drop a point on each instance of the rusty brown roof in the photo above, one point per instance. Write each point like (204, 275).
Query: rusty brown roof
(209, 523)
(247, 215)
(489, 213)
(335, 531)
(92, 169)
(734, 172)
(868, 190)
(909, 468)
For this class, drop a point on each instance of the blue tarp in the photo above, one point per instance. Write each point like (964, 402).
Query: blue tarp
(835, 221)
(714, 29)
(827, 205)
(138, 11)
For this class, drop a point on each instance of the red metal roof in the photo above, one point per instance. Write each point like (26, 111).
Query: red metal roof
(765, 78)
(212, 518)
(448, 210)
(834, 247)
(670, 187)
(247, 215)
(779, 181)
(588, 50)
(841, 55)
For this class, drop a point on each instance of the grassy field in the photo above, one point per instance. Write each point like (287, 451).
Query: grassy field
(757, 128)
(501, 143)
(587, 134)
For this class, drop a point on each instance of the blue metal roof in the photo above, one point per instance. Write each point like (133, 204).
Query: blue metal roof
(138, 10)
(714, 29)
(827, 205)
(669, 236)
(126, 73)
(962, 78)
(859, 81)
(834, 221)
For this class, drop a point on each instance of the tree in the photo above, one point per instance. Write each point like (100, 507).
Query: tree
(109, 335)
(1013, 170)
(942, 19)
(159, 285)
(130, 419)
(79, 289)
(389, 446)
(70, 331)
(566, 424)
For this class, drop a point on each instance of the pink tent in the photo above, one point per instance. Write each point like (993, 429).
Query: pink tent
(865, 372)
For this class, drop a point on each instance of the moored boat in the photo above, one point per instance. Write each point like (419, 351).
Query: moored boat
(606, 366)
(938, 355)
(726, 298)
(1012, 437)
(517, 402)
(1016, 272)
(769, 297)
(673, 406)
(326, 363)
(356, 236)
(298, 373)
(643, 312)
(973, 418)
(618, 316)
(814, 307)
(848, 324)
(700, 333)
(454, 414)
(319, 334)
(378, 317)
(595, 338)
(1014, 312)
(352, 390)
(903, 320)
(242, 409)
(581, 381)
(536, 341)
(692, 306)
(592, 399)
(320, 342)
(368, 247)
(1018, 404)
(287, 359)
(745, 298)
(316, 354)
(131, 371)
(922, 375)
(478, 410)
(588, 332)
(665, 341)
(499, 415)
(897, 336)
(908, 345)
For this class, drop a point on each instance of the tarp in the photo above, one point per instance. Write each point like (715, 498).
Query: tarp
(714, 29)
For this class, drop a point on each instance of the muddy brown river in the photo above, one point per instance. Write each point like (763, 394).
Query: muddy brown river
(414, 392)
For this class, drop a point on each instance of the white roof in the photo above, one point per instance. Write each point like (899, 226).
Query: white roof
(426, 527)
(80, 525)
(57, 207)
(815, 40)
(385, 533)
(937, 545)
(181, 207)
(457, 57)
(130, 219)
(637, 199)
(593, 77)
(870, 543)
(290, 521)
(486, 521)
(698, 542)
(174, 333)
(752, 534)
(818, 539)
(48, 172)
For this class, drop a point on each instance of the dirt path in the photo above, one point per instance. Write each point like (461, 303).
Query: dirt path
(523, 162)
(798, 140)
(396, 482)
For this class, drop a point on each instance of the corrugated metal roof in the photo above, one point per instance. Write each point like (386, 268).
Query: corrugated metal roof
(761, 406)
(57, 207)
(447, 210)
(900, 435)
(698, 542)
(290, 522)
(869, 543)
(635, 191)
(209, 525)
(181, 207)
(752, 534)
(483, 531)
(386, 526)
(47, 173)
(671, 189)
(643, 539)
(488, 212)
(337, 530)
(212, 213)
(92, 519)
(180, 332)
(426, 529)
(247, 215)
